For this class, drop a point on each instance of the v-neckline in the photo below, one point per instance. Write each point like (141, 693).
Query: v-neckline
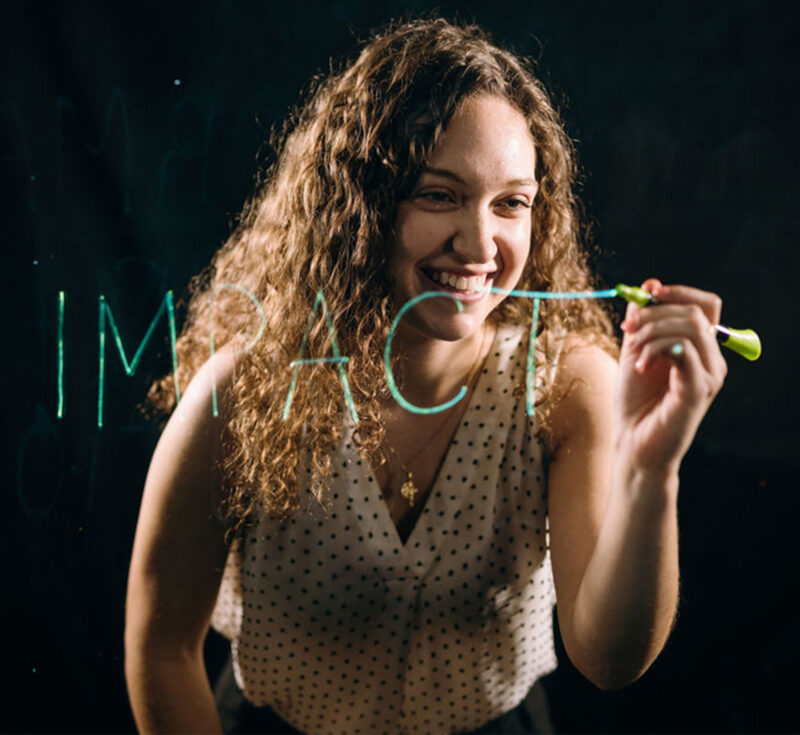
(445, 469)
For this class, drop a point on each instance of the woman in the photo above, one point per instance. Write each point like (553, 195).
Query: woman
(387, 568)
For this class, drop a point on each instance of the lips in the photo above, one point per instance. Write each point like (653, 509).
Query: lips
(466, 287)
(458, 281)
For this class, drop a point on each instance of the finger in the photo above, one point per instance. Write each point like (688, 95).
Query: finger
(686, 324)
(638, 317)
(696, 324)
(698, 383)
(628, 326)
(677, 320)
(651, 285)
(680, 352)
(631, 320)
(709, 302)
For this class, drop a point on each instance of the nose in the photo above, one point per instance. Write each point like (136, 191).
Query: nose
(475, 235)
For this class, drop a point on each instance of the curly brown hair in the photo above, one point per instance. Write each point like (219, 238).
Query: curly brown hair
(323, 219)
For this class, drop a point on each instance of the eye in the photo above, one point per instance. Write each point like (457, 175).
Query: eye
(436, 197)
(515, 204)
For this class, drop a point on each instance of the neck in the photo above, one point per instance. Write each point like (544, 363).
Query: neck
(435, 370)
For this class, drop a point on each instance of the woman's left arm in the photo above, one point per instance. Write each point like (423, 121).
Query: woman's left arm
(618, 438)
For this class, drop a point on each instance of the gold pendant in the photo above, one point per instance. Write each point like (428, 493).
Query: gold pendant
(409, 490)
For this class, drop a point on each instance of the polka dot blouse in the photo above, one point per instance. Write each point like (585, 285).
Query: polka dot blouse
(341, 628)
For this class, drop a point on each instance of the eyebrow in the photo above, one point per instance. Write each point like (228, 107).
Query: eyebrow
(455, 177)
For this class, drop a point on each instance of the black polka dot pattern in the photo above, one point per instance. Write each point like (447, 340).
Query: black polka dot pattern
(340, 627)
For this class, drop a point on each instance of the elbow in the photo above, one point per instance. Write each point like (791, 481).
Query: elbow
(610, 671)
(612, 662)
(611, 681)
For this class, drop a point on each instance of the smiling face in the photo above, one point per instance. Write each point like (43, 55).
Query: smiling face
(466, 225)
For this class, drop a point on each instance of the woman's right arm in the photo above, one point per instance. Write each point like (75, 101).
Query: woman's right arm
(179, 554)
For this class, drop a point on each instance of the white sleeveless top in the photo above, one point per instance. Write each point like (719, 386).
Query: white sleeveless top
(339, 627)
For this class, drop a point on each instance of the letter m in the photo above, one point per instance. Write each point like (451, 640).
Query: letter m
(105, 313)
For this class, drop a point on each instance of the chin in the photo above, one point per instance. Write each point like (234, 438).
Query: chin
(439, 318)
(451, 328)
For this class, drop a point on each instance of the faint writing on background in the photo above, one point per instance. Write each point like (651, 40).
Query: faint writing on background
(192, 122)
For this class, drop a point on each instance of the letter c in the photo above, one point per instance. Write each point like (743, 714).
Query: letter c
(387, 353)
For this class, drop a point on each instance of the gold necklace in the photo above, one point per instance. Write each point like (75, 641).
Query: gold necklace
(409, 488)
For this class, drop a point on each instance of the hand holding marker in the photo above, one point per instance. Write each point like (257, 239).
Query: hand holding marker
(744, 341)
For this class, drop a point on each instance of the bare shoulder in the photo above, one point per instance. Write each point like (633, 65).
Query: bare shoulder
(190, 442)
(585, 381)
(208, 389)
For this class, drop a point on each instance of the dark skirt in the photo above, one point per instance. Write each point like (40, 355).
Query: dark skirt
(238, 715)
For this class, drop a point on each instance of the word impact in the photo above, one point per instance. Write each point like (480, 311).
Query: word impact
(106, 318)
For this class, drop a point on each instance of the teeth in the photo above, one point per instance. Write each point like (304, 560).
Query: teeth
(461, 283)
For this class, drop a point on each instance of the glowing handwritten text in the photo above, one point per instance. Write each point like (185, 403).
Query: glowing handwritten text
(106, 317)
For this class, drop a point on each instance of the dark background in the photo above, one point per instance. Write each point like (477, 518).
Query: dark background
(130, 136)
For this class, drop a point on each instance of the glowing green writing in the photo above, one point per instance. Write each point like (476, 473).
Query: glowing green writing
(530, 372)
(104, 312)
(105, 316)
(530, 368)
(388, 351)
(537, 296)
(337, 359)
(607, 293)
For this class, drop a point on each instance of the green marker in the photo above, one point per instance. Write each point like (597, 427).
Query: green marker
(744, 341)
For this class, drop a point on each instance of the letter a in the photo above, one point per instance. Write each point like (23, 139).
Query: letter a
(337, 359)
